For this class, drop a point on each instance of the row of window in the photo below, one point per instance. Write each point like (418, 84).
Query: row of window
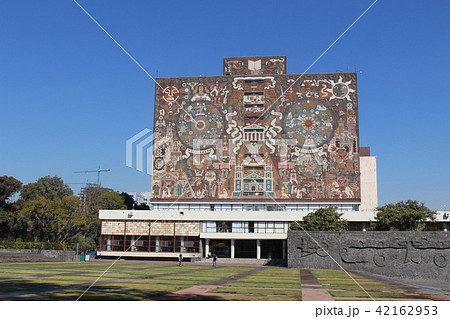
(245, 227)
(146, 243)
(253, 207)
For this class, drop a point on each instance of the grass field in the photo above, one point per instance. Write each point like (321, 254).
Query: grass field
(165, 281)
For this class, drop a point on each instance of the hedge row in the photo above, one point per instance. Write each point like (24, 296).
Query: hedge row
(31, 245)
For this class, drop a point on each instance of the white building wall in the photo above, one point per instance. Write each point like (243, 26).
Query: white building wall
(369, 188)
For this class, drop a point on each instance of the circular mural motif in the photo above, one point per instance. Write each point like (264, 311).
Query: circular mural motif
(340, 90)
(310, 167)
(200, 125)
(310, 122)
(158, 164)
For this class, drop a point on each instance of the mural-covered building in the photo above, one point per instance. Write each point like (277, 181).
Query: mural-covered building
(232, 154)
(257, 133)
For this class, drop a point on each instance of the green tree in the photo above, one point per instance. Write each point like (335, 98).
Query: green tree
(49, 187)
(96, 198)
(52, 220)
(128, 200)
(131, 203)
(403, 216)
(9, 223)
(110, 200)
(326, 218)
(8, 187)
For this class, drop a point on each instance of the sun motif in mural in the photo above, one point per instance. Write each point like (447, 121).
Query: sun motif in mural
(200, 125)
(340, 89)
(310, 122)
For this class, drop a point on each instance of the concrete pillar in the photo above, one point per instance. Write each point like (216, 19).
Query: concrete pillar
(232, 248)
(258, 249)
(206, 247)
(284, 249)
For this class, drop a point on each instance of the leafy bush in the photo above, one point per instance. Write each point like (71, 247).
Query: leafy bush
(31, 245)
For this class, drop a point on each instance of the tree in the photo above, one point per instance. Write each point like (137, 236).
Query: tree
(52, 220)
(403, 216)
(96, 198)
(326, 218)
(9, 224)
(131, 203)
(128, 200)
(48, 187)
(8, 187)
(110, 200)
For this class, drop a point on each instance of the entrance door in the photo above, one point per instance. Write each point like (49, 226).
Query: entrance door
(245, 248)
(274, 248)
(220, 247)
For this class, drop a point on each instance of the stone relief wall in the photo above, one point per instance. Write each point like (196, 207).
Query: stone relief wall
(395, 254)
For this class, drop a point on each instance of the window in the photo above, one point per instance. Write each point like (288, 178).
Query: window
(269, 227)
(210, 227)
(187, 244)
(136, 243)
(253, 81)
(224, 227)
(240, 227)
(161, 243)
(112, 242)
(251, 227)
(253, 93)
(258, 168)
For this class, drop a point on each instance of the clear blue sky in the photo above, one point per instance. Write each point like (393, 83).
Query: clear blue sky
(70, 98)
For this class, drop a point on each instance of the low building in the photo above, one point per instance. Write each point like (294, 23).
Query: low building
(232, 230)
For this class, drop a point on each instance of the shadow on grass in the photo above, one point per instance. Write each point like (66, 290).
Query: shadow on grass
(25, 289)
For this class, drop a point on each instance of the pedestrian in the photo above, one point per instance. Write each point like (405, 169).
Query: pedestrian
(40, 248)
(180, 259)
(214, 257)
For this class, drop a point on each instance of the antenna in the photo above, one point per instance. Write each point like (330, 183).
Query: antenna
(358, 71)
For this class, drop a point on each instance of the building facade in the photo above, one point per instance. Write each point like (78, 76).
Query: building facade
(237, 157)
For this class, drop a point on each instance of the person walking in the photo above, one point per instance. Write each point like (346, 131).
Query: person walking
(180, 260)
(214, 257)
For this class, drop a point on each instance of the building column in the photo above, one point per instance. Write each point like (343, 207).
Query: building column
(284, 249)
(206, 247)
(258, 249)
(232, 248)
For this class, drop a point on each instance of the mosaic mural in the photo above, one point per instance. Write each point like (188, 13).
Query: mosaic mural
(260, 136)
(254, 65)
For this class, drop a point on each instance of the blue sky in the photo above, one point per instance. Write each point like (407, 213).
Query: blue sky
(70, 98)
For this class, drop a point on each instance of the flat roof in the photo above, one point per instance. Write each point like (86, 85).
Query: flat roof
(193, 215)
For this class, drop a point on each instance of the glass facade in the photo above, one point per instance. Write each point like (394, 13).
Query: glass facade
(145, 243)
(255, 207)
(244, 227)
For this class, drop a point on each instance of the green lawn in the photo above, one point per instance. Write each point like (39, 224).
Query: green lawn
(127, 280)
(340, 285)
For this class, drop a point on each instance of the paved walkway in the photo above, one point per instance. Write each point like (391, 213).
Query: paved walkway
(312, 290)
(193, 291)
